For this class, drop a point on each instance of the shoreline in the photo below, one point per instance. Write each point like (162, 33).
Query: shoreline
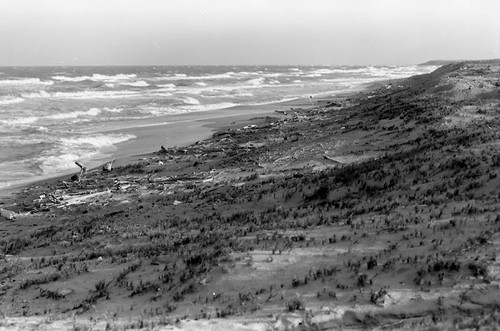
(199, 125)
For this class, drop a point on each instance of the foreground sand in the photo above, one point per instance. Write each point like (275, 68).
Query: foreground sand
(378, 210)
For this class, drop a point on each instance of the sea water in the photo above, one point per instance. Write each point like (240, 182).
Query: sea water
(51, 117)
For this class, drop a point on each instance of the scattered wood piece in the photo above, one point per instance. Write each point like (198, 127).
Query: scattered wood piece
(331, 159)
(78, 177)
(10, 215)
(108, 166)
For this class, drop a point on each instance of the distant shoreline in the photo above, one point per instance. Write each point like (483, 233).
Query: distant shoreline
(183, 130)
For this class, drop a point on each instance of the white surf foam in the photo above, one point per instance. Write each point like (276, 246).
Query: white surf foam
(19, 121)
(96, 77)
(75, 114)
(170, 86)
(54, 164)
(255, 82)
(82, 95)
(207, 107)
(226, 75)
(191, 101)
(39, 94)
(100, 140)
(140, 83)
(10, 100)
(25, 81)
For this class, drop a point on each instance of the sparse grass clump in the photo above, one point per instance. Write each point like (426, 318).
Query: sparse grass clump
(295, 304)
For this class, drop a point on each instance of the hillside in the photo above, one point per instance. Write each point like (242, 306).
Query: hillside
(379, 209)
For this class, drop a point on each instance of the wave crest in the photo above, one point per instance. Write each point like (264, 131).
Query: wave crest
(10, 100)
(25, 81)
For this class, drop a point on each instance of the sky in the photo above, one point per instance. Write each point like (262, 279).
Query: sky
(239, 32)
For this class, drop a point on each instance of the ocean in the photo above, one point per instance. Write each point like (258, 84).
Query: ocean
(51, 117)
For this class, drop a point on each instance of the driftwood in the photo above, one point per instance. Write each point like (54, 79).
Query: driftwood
(108, 166)
(332, 160)
(78, 177)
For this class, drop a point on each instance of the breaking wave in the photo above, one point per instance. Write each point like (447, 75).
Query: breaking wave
(75, 114)
(97, 140)
(19, 121)
(96, 78)
(10, 100)
(191, 101)
(208, 107)
(25, 81)
(140, 83)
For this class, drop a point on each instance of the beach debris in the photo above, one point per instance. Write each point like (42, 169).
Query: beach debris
(78, 177)
(331, 159)
(82, 167)
(10, 215)
(85, 198)
(177, 202)
(108, 166)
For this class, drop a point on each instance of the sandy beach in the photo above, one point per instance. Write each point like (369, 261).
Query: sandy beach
(377, 209)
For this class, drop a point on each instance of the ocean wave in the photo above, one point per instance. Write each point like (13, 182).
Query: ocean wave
(55, 164)
(96, 78)
(273, 101)
(75, 114)
(15, 141)
(244, 94)
(113, 110)
(374, 71)
(156, 110)
(85, 94)
(99, 141)
(25, 81)
(159, 110)
(255, 82)
(191, 101)
(208, 107)
(19, 121)
(39, 94)
(170, 85)
(227, 75)
(10, 100)
(139, 83)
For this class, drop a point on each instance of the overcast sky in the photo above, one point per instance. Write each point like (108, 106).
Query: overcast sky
(146, 32)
